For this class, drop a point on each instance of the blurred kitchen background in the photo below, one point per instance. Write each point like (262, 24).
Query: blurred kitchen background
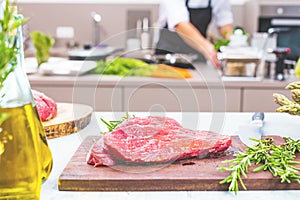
(74, 23)
(78, 24)
(72, 18)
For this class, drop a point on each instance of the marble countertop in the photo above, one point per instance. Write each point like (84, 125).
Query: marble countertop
(64, 147)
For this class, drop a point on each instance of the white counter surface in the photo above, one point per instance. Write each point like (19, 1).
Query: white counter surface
(226, 123)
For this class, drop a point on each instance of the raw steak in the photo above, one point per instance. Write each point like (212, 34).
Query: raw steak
(46, 107)
(154, 140)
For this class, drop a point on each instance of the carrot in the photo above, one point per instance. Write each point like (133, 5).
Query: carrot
(167, 71)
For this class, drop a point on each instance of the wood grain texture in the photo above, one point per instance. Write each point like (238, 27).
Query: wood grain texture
(70, 119)
(184, 175)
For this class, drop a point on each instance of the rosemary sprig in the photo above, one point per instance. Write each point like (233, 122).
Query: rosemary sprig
(8, 41)
(278, 160)
(112, 124)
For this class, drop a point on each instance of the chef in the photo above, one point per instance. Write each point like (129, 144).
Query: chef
(184, 24)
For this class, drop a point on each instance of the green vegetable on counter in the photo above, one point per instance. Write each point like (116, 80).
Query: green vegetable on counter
(42, 44)
(278, 160)
(133, 67)
(123, 67)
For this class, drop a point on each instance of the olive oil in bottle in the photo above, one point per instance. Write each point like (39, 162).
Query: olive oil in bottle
(20, 164)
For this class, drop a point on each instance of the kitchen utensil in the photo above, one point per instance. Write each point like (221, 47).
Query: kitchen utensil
(252, 130)
(177, 60)
(89, 53)
(281, 53)
(96, 32)
(145, 36)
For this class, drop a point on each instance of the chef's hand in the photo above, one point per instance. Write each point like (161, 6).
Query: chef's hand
(210, 53)
(193, 37)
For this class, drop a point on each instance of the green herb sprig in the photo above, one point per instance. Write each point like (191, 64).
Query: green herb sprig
(279, 160)
(8, 41)
(112, 124)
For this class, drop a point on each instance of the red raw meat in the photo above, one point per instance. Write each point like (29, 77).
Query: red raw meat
(46, 107)
(154, 140)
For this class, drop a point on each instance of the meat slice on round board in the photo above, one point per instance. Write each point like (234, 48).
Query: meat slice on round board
(46, 107)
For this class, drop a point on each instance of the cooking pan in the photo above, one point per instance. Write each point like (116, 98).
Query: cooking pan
(177, 60)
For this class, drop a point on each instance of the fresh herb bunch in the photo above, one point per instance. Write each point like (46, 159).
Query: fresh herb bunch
(111, 125)
(221, 42)
(279, 160)
(8, 41)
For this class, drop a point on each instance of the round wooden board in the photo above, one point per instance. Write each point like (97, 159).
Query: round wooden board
(70, 119)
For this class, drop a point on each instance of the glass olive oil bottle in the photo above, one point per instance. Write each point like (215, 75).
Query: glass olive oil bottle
(25, 157)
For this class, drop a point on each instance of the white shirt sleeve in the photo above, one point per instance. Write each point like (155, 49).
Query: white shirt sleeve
(173, 12)
(221, 11)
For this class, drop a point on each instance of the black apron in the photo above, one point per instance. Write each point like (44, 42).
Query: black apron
(171, 42)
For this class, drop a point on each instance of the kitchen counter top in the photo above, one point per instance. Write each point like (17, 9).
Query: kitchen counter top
(202, 76)
(226, 123)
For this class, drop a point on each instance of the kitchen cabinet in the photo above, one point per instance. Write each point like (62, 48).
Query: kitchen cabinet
(158, 98)
(59, 94)
(261, 99)
(100, 99)
(178, 99)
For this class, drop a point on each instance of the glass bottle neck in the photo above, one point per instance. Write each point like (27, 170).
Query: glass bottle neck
(16, 89)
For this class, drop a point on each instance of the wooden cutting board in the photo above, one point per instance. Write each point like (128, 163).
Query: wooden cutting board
(184, 175)
(70, 119)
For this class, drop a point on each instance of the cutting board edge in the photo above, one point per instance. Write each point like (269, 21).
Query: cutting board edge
(174, 185)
